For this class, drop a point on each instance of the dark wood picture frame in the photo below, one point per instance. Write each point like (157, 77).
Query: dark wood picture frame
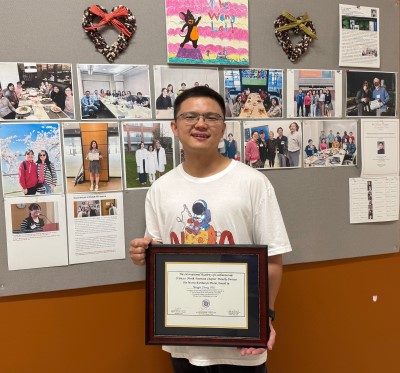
(256, 333)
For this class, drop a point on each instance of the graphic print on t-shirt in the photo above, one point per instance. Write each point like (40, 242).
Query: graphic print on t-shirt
(197, 227)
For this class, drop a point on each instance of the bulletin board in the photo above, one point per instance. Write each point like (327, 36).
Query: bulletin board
(314, 202)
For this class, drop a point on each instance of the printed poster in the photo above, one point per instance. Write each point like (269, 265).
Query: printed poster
(207, 32)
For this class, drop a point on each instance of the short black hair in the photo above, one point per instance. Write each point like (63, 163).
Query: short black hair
(261, 132)
(34, 206)
(200, 91)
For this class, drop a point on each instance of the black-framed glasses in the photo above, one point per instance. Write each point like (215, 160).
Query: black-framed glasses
(192, 117)
(42, 155)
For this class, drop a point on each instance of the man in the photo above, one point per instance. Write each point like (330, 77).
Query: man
(310, 149)
(262, 147)
(236, 198)
(141, 101)
(330, 138)
(112, 209)
(282, 147)
(382, 96)
(88, 106)
(339, 138)
(300, 102)
(96, 98)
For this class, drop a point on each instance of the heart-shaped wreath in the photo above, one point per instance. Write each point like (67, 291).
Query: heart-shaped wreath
(121, 17)
(300, 25)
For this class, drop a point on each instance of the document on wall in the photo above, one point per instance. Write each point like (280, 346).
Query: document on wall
(374, 199)
(379, 147)
(359, 36)
(95, 227)
(36, 232)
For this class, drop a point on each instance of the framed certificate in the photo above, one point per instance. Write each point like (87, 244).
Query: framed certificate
(207, 295)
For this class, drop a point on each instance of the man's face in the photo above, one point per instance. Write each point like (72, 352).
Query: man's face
(200, 136)
(376, 82)
(380, 145)
(139, 95)
(87, 93)
(280, 132)
(262, 135)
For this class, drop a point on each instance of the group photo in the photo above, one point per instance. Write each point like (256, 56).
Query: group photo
(272, 144)
(170, 82)
(314, 93)
(114, 91)
(253, 93)
(330, 143)
(148, 152)
(36, 91)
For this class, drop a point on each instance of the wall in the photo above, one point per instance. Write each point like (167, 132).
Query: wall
(326, 322)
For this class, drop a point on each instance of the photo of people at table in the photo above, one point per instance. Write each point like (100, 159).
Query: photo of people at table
(371, 93)
(149, 152)
(92, 157)
(31, 159)
(114, 91)
(272, 144)
(253, 93)
(330, 143)
(314, 93)
(36, 91)
(170, 82)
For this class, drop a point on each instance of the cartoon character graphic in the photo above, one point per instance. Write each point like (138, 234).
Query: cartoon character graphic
(197, 228)
(192, 33)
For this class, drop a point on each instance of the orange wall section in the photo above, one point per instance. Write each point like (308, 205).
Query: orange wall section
(326, 322)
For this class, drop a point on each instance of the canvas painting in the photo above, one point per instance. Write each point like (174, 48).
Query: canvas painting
(207, 32)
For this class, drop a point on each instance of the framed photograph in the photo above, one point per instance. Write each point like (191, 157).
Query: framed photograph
(207, 295)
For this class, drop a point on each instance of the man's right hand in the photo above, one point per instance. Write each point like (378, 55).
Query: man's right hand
(137, 250)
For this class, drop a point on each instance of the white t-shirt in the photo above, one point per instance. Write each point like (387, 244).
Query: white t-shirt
(236, 206)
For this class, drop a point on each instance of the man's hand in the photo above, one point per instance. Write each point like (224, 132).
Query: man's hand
(137, 250)
(257, 351)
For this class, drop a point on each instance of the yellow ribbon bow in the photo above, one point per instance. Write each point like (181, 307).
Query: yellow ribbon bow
(300, 23)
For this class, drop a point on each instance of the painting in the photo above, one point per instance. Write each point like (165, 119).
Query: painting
(207, 32)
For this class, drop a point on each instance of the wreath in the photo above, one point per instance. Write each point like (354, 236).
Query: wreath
(299, 26)
(121, 17)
